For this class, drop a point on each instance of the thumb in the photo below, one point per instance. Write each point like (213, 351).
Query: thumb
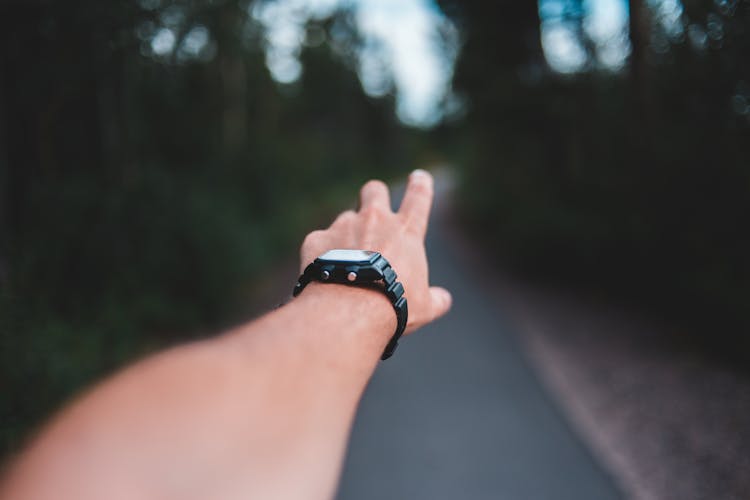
(441, 301)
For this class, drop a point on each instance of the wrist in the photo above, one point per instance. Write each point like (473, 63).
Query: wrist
(348, 320)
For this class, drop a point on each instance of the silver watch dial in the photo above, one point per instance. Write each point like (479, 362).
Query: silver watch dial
(347, 255)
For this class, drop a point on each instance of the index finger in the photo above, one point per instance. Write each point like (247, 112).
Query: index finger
(417, 201)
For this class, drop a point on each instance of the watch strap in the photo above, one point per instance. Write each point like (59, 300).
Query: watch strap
(394, 290)
(305, 278)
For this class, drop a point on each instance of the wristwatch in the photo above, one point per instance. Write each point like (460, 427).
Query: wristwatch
(360, 267)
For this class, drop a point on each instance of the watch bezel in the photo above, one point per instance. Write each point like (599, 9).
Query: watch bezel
(371, 259)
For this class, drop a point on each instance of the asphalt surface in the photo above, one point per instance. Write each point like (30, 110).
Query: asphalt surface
(458, 412)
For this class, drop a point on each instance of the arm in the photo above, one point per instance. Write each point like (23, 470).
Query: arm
(263, 411)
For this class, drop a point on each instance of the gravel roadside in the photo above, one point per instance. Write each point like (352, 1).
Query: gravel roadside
(667, 423)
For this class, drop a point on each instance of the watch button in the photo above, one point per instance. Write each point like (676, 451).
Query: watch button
(352, 276)
(325, 274)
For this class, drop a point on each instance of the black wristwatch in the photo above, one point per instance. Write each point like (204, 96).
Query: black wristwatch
(360, 267)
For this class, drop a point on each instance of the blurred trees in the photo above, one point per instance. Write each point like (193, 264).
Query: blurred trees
(634, 183)
(150, 170)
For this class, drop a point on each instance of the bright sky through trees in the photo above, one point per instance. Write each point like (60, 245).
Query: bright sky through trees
(410, 48)
(605, 22)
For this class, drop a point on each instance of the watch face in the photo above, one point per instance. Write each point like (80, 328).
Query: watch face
(343, 255)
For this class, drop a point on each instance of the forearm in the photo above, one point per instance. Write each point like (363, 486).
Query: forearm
(263, 411)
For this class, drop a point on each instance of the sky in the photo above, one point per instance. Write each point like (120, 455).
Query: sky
(410, 48)
(605, 22)
(401, 55)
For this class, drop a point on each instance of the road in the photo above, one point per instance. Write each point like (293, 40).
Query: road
(458, 412)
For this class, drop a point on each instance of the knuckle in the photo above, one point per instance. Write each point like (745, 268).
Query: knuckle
(372, 212)
(345, 217)
(313, 237)
(372, 216)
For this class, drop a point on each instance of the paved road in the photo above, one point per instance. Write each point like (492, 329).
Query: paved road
(458, 414)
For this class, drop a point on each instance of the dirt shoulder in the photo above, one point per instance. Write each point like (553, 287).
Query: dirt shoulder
(667, 423)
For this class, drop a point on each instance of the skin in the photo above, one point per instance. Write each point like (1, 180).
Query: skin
(262, 411)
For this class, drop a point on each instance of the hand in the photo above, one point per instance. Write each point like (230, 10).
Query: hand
(399, 237)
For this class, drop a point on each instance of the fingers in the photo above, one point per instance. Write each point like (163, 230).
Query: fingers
(440, 300)
(374, 194)
(417, 201)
